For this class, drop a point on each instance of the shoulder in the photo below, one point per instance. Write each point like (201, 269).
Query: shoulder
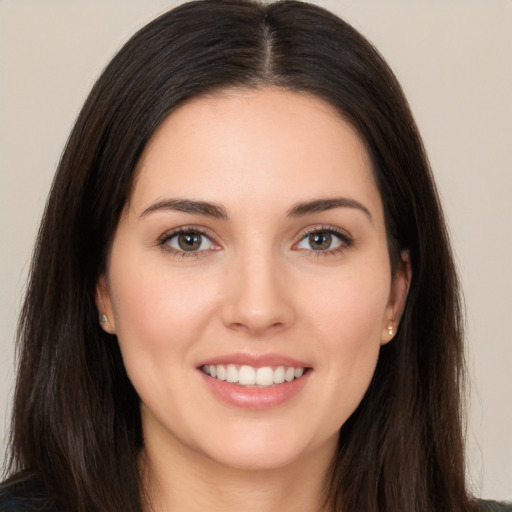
(494, 506)
(27, 496)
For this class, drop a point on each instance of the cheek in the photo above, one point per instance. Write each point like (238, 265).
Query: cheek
(158, 316)
(350, 307)
(348, 319)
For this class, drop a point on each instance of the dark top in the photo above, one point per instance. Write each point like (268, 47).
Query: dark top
(494, 506)
(25, 497)
(30, 497)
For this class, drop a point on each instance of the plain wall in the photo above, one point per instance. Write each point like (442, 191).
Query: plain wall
(454, 60)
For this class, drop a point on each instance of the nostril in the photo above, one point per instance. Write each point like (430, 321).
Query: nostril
(257, 307)
(257, 327)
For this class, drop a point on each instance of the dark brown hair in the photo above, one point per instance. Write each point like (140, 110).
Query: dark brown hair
(76, 422)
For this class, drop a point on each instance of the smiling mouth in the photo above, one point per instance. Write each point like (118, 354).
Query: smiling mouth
(249, 376)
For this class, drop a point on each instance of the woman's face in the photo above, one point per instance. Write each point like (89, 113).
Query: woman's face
(249, 281)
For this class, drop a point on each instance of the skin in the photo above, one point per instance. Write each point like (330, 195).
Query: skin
(256, 286)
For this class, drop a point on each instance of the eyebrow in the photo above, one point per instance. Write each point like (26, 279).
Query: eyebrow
(219, 212)
(321, 205)
(188, 206)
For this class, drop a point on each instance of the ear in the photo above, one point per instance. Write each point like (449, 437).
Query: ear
(104, 305)
(397, 297)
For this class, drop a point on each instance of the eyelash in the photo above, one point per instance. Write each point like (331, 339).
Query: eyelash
(346, 241)
(163, 241)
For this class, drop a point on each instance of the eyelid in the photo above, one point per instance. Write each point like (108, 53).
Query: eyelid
(163, 240)
(346, 239)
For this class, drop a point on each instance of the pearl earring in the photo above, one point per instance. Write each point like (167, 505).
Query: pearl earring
(390, 330)
(103, 320)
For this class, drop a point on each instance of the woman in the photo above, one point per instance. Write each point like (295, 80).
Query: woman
(235, 301)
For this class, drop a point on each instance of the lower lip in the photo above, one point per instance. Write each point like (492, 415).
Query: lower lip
(253, 397)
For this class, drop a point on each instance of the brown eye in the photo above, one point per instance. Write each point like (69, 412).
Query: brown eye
(189, 241)
(323, 240)
(320, 241)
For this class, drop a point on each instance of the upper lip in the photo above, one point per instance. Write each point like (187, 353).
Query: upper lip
(255, 360)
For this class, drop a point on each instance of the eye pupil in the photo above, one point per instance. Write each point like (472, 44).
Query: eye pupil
(189, 241)
(320, 240)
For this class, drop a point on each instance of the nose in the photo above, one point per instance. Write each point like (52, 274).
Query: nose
(259, 298)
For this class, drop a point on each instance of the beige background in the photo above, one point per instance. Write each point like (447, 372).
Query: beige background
(454, 59)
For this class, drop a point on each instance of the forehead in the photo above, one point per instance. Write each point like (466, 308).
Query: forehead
(253, 146)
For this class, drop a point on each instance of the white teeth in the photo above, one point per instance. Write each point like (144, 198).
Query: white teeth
(221, 372)
(279, 374)
(265, 376)
(246, 376)
(249, 376)
(232, 373)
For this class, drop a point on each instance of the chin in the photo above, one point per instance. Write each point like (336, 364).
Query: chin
(276, 450)
(250, 459)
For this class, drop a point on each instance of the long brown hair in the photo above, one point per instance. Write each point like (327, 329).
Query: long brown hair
(76, 421)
